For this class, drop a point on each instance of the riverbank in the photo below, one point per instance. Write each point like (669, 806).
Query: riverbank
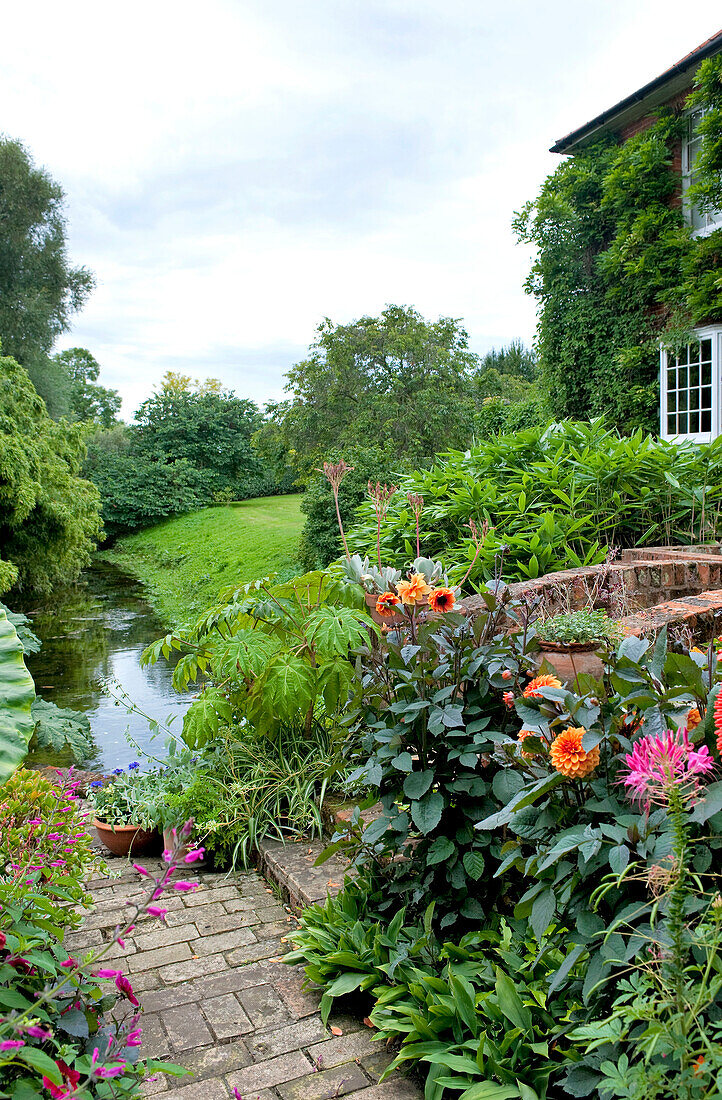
(185, 561)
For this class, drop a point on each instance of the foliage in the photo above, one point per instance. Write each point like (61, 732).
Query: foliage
(579, 627)
(613, 272)
(398, 382)
(39, 289)
(28, 640)
(61, 730)
(17, 693)
(185, 561)
(54, 1032)
(430, 719)
(88, 401)
(136, 492)
(243, 788)
(49, 516)
(499, 415)
(553, 497)
(469, 1009)
(269, 653)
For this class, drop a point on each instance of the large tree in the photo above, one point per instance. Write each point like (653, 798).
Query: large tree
(39, 288)
(211, 430)
(396, 381)
(87, 401)
(49, 516)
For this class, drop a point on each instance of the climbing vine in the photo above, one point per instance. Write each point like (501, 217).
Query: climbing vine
(617, 268)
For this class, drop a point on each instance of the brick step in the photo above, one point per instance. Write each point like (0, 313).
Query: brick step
(291, 866)
(701, 614)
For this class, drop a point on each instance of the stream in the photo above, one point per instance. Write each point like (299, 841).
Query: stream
(92, 640)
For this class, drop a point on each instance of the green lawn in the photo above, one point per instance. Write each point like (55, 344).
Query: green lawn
(186, 560)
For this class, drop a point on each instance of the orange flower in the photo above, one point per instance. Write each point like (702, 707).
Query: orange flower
(693, 718)
(442, 599)
(531, 691)
(414, 589)
(568, 756)
(386, 603)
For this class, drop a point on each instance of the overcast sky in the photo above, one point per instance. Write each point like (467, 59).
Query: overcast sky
(236, 170)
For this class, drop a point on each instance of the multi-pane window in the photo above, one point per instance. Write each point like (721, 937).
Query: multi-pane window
(702, 221)
(690, 378)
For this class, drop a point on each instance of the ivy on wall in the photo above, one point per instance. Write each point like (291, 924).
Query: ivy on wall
(617, 269)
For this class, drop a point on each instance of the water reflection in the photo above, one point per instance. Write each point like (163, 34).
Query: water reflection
(96, 634)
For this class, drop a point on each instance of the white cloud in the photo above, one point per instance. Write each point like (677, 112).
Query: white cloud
(239, 169)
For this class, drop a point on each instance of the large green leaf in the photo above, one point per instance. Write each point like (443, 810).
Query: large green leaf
(247, 653)
(426, 813)
(203, 717)
(288, 686)
(17, 692)
(333, 631)
(58, 728)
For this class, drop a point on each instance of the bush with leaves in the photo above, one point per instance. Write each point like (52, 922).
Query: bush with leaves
(554, 498)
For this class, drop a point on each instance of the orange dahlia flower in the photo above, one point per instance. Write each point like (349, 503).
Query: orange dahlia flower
(414, 589)
(442, 599)
(386, 603)
(531, 691)
(568, 756)
(693, 718)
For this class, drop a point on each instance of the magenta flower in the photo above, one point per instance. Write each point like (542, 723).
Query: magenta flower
(134, 1038)
(123, 986)
(195, 855)
(11, 1044)
(112, 974)
(69, 963)
(156, 911)
(185, 885)
(38, 1032)
(657, 765)
(104, 1072)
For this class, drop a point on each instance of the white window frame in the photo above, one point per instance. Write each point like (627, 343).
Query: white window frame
(713, 332)
(711, 219)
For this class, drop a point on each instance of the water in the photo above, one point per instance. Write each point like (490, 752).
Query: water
(94, 636)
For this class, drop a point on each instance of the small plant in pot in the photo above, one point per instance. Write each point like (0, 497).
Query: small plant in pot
(124, 818)
(578, 631)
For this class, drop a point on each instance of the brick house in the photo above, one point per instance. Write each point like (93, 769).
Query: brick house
(691, 378)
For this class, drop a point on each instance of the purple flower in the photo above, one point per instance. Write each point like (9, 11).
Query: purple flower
(11, 1044)
(195, 855)
(97, 783)
(133, 766)
(118, 771)
(134, 1038)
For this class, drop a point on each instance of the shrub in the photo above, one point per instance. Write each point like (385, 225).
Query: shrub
(579, 627)
(555, 498)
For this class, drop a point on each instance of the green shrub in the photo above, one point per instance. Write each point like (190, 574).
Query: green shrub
(580, 628)
(554, 497)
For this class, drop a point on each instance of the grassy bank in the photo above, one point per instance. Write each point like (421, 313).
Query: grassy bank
(185, 561)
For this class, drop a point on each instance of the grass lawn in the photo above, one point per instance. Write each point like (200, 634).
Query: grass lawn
(186, 560)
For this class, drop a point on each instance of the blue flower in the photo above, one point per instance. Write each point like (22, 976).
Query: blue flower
(97, 783)
(133, 766)
(118, 771)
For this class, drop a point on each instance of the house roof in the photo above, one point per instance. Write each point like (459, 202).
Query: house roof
(639, 103)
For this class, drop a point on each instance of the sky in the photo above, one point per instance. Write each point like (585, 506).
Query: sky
(237, 170)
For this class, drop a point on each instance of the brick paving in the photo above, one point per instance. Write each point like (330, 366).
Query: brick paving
(218, 1000)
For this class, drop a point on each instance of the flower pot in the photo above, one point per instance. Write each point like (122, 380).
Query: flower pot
(197, 865)
(126, 840)
(569, 661)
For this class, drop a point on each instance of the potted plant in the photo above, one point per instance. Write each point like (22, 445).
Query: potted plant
(574, 638)
(123, 816)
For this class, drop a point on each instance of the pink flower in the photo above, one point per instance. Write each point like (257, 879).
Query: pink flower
(155, 911)
(134, 1038)
(141, 870)
(657, 765)
(69, 963)
(123, 986)
(37, 1032)
(185, 885)
(509, 699)
(111, 974)
(104, 1072)
(195, 855)
(11, 1044)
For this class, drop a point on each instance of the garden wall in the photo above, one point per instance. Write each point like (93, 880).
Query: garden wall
(680, 587)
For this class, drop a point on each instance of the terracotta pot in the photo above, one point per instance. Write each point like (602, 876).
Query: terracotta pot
(197, 865)
(124, 840)
(570, 661)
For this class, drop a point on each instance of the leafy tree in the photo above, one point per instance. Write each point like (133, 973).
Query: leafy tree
(396, 381)
(39, 288)
(87, 400)
(49, 516)
(136, 491)
(211, 431)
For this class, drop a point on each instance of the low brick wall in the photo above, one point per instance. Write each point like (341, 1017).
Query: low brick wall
(677, 586)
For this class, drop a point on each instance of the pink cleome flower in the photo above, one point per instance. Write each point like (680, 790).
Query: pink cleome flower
(658, 764)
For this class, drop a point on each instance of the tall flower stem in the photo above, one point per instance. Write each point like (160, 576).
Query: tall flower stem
(676, 920)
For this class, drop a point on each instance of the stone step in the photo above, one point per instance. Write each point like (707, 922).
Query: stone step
(291, 866)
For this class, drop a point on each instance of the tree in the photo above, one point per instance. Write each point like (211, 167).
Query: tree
(87, 401)
(395, 381)
(49, 516)
(39, 288)
(212, 431)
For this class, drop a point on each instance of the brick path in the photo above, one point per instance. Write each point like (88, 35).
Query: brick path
(218, 1000)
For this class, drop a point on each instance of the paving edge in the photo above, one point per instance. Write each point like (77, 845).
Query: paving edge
(291, 868)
